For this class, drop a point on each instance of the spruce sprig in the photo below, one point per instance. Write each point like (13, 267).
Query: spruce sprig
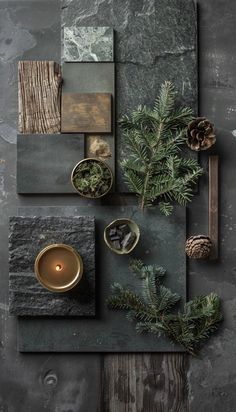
(152, 310)
(155, 168)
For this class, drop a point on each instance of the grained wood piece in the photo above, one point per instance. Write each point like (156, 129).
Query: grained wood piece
(86, 112)
(144, 383)
(214, 205)
(39, 96)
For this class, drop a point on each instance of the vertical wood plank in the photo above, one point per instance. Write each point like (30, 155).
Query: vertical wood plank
(214, 204)
(144, 383)
(39, 97)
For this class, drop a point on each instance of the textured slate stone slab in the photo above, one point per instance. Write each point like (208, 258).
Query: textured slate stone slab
(86, 112)
(29, 235)
(155, 40)
(87, 44)
(162, 241)
(45, 162)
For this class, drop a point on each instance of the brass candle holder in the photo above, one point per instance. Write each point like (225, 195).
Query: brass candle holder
(58, 267)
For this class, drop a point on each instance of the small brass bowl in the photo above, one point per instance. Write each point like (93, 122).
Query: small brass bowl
(93, 159)
(58, 267)
(133, 227)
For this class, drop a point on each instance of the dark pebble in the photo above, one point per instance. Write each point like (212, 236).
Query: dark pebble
(128, 240)
(116, 244)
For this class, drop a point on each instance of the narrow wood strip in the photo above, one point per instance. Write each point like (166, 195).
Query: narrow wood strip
(214, 204)
(144, 382)
(39, 96)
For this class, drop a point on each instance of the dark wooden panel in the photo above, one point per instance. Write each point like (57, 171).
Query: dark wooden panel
(39, 94)
(86, 112)
(144, 383)
(214, 204)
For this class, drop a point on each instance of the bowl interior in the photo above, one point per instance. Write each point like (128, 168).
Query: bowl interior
(99, 162)
(133, 227)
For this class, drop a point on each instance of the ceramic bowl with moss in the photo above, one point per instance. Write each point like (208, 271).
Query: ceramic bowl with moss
(122, 236)
(92, 178)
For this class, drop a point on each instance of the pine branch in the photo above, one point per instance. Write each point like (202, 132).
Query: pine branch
(200, 317)
(155, 167)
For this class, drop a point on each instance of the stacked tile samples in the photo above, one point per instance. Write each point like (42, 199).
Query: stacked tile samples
(145, 55)
(80, 104)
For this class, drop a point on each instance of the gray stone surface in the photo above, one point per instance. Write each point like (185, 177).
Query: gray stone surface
(45, 162)
(38, 382)
(156, 40)
(110, 331)
(27, 237)
(88, 78)
(87, 44)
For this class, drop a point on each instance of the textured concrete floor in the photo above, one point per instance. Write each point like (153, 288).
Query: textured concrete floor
(62, 382)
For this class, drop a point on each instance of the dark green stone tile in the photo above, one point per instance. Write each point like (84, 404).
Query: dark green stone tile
(88, 78)
(45, 162)
(162, 241)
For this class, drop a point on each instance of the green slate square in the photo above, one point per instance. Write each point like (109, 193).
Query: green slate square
(45, 162)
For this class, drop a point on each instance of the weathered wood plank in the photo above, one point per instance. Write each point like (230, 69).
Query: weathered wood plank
(86, 112)
(214, 205)
(144, 383)
(39, 96)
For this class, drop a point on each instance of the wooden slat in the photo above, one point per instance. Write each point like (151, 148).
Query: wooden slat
(86, 112)
(144, 383)
(214, 204)
(39, 97)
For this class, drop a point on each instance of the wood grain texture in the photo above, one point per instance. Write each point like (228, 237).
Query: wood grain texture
(144, 383)
(86, 112)
(39, 96)
(214, 205)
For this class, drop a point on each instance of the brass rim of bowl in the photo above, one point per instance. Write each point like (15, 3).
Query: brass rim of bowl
(121, 252)
(77, 277)
(98, 161)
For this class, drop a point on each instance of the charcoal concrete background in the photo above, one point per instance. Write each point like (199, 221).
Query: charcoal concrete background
(58, 383)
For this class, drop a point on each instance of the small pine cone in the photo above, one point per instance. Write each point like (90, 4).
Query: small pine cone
(198, 247)
(200, 134)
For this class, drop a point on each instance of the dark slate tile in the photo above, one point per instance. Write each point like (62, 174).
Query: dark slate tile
(45, 162)
(88, 44)
(162, 241)
(26, 238)
(88, 78)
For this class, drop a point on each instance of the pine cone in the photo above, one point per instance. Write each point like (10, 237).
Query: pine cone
(198, 247)
(200, 134)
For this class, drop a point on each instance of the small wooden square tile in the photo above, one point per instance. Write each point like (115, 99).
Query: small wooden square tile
(86, 112)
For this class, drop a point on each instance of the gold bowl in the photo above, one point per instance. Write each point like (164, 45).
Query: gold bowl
(133, 227)
(58, 267)
(93, 159)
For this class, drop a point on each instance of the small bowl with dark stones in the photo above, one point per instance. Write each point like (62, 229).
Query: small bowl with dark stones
(122, 235)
